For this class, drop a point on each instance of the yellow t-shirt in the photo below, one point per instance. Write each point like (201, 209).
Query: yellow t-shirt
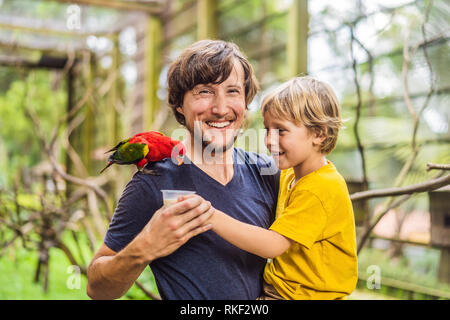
(317, 214)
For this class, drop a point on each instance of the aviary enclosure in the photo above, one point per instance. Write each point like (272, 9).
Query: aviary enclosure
(77, 76)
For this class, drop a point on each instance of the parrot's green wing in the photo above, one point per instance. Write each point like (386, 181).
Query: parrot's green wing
(128, 153)
(118, 145)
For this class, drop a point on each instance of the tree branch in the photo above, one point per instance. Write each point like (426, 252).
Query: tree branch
(369, 230)
(358, 108)
(422, 187)
(430, 185)
(431, 166)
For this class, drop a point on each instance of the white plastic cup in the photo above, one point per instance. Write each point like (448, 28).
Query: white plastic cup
(171, 196)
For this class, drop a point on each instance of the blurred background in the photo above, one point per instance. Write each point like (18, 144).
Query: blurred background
(76, 77)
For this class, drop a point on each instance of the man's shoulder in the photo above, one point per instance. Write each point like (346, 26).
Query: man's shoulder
(252, 158)
(164, 168)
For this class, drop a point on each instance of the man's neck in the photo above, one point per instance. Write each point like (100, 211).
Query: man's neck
(218, 165)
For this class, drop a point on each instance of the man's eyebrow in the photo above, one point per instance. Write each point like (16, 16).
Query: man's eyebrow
(202, 85)
(234, 86)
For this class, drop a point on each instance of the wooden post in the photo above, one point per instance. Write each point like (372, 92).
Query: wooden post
(264, 60)
(87, 141)
(114, 129)
(153, 64)
(297, 41)
(70, 78)
(444, 266)
(113, 123)
(360, 207)
(440, 228)
(207, 22)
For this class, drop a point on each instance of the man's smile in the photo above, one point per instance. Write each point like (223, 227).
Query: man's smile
(219, 124)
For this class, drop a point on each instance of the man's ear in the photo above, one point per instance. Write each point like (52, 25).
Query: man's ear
(180, 110)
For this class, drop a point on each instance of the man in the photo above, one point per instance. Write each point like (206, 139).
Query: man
(210, 86)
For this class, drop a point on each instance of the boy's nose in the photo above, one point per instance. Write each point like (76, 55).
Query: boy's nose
(272, 139)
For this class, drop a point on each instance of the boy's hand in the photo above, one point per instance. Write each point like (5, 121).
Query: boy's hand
(209, 221)
(172, 226)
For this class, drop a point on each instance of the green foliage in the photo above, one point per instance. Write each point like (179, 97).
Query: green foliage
(421, 271)
(7, 76)
(17, 134)
(17, 277)
(18, 267)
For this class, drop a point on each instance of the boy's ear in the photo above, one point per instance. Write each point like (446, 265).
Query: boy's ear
(180, 110)
(320, 134)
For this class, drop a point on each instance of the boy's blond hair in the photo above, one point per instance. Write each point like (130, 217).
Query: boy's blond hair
(307, 101)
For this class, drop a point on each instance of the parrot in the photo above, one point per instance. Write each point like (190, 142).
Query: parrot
(145, 148)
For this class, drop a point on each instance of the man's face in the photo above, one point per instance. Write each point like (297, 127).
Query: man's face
(216, 111)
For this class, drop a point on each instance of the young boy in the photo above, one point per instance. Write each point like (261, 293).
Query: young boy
(312, 243)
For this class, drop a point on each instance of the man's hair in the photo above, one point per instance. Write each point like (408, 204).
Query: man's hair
(310, 102)
(204, 62)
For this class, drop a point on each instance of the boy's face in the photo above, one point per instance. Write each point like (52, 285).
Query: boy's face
(289, 143)
(216, 111)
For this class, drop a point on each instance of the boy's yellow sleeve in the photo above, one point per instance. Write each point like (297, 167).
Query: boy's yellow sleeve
(303, 219)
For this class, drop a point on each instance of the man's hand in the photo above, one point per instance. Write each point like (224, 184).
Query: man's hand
(111, 274)
(172, 226)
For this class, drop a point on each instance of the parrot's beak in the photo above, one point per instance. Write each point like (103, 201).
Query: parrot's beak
(107, 166)
(180, 160)
(111, 150)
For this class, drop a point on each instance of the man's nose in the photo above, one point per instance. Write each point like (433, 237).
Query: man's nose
(219, 105)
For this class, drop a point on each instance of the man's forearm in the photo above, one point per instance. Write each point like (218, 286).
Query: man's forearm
(110, 277)
(111, 274)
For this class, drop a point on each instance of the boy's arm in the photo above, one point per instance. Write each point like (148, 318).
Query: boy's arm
(262, 242)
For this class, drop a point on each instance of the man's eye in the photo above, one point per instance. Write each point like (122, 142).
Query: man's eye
(203, 92)
(235, 91)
